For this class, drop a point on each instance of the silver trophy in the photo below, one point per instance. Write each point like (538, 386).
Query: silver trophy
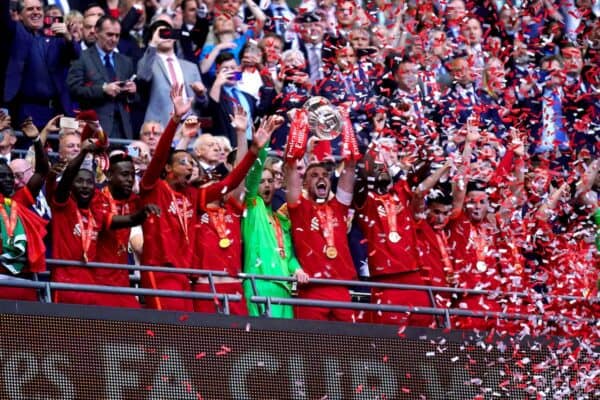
(324, 119)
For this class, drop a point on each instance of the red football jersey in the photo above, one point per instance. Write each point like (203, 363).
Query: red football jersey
(113, 243)
(431, 255)
(67, 226)
(474, 253)
(308, 222)
(68, 223)
(219, 247)
(169, 239)
(388, 224)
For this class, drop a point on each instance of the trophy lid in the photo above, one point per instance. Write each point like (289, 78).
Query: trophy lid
(324, 119)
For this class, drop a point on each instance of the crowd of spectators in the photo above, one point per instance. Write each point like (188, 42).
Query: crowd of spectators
(465, 152)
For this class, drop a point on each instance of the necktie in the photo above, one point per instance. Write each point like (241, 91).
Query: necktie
(172, 73)
(314, 60)
(279, 22)
(553, 129)
(112, 74)
(349, 85)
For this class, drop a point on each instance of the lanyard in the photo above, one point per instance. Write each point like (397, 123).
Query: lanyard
(479, 241)
(443, 246)
(86, 231)
(181, 214)
(122, 244)
(390, 203)
(278, 234)
(10, 222)
(216, 216)
(325, 216)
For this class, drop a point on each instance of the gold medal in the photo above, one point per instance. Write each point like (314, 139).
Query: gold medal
(481, 266)
(224, 243)
(331, 252)
(394, 237)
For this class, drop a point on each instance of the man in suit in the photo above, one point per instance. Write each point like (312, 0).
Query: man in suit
(194, 31)
(224, 94)
(161, 69)
(37, 63)
(311, 45)
(279, 20)
(101, 80)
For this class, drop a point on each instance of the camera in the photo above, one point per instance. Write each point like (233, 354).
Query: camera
(167, 33)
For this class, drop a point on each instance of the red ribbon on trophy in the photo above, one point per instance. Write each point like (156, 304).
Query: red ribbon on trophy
(349, 144)
(298, 135)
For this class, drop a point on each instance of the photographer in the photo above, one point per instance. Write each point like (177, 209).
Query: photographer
(101, 80)
(40, 52)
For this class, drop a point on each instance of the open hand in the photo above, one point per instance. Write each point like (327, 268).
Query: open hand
(29, 129)
(239, 119)
(180, 106)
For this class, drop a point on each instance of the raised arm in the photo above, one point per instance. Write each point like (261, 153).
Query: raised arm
(293, 182)
(258, 14)
(161, 154)
(216, 190)
(255, 174)
(345, 186)
(207, 62)
(42, 167)
(418, 198)
(63, 189)
(240, 121)
(459, 184)
(547, 209)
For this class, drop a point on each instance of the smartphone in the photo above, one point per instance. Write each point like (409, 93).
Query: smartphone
(122, 83)
(174, 34)
(133, 151)
(4, 111)
(237, 75)
(68, 123)
(47, 31)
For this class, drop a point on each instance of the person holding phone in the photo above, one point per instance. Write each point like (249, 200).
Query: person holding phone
(101, 80)
(161, 69)
(225, 94)
(34, 81)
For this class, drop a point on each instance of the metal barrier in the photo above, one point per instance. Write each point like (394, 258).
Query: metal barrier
(46, 288)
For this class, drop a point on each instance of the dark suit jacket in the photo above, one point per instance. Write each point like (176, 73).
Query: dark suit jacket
(58, 56)
(85, 80)
(191, 42)
(221, 111)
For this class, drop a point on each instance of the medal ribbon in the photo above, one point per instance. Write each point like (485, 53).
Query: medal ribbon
(181, 216)
(86, 231)
(10, 223)
(278, 234)
(390, 204)
(121, 241)
(325, 216)
(480, 244)
(443, 245)
(216, 216)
